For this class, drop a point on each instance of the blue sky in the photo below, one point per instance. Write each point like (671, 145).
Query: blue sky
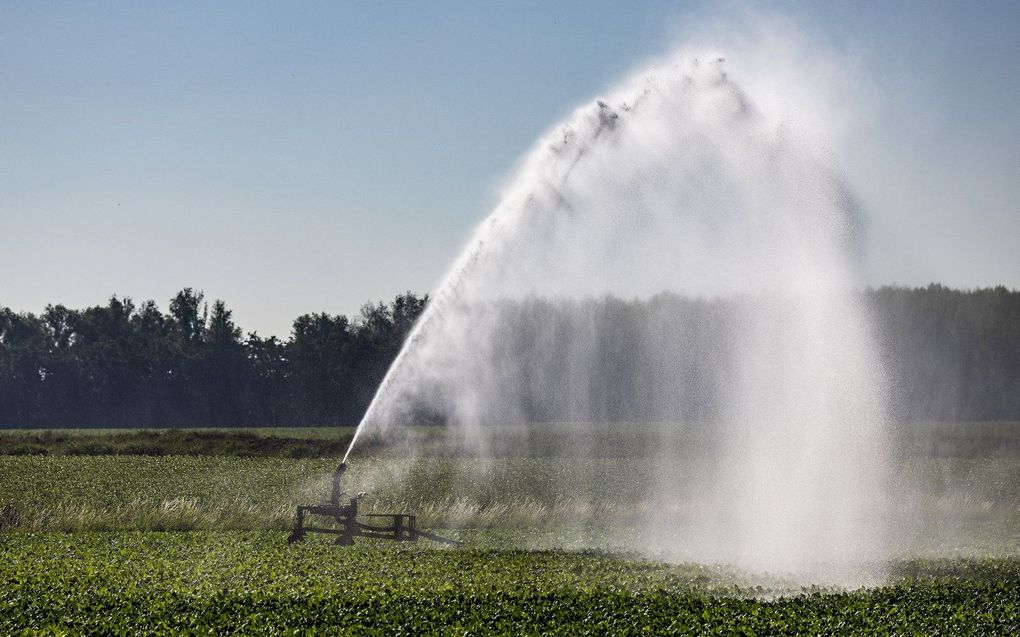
(299, 157)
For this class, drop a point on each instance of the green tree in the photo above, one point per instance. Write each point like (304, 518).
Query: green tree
(223, 363)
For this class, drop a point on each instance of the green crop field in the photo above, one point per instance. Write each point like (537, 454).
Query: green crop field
(135, 543)
(254, 583)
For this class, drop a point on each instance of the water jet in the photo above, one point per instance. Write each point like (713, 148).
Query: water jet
(676, 182)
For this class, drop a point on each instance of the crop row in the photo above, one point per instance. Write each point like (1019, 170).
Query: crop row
(253, 583)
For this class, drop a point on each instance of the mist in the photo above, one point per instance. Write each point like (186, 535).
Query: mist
(677, 181)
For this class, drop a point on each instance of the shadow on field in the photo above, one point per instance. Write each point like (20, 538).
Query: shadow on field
(173, 442)
(604, 440)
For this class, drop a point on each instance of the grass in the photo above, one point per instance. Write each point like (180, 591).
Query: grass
(966, 504)
(69, 493)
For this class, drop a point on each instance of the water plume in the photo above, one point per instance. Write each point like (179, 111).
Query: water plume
(671, 253)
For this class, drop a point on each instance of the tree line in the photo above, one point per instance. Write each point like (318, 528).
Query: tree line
(951, 354)
(123, 364)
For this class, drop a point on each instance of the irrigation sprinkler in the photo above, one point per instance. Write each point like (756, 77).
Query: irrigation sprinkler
(401, 527)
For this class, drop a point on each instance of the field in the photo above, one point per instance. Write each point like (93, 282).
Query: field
(158, 543)
(254, 583)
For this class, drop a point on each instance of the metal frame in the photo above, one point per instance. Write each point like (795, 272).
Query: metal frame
(403, 527)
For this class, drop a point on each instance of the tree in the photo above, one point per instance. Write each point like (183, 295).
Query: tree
(189, 315)
(222, 369)
(266, 387)
(321, 372)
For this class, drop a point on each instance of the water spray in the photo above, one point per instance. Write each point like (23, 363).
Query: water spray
(677, 181)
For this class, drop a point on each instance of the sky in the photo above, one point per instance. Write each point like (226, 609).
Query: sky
(310, 157)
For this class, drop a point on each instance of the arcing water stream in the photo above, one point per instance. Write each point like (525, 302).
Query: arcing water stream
(675, 182)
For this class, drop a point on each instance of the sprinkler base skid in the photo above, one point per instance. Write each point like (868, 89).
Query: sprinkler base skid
(402, 527)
